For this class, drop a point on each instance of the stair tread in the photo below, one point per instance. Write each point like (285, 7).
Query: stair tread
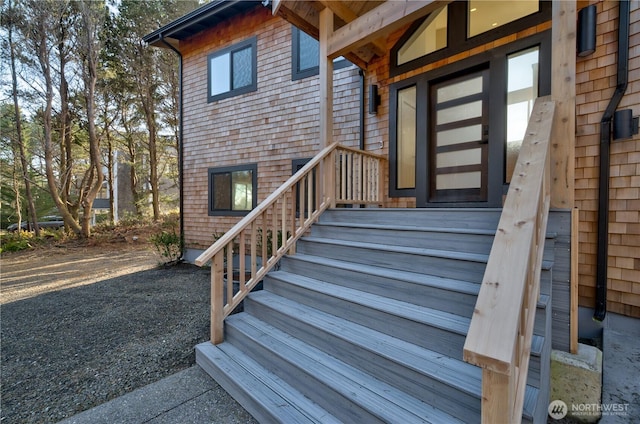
(459, 374)
(418, 278)
(473, 257)
(395, 227)
(423, 228)
(445, 254)
(377, 397)
(445, 320)
(271, 392)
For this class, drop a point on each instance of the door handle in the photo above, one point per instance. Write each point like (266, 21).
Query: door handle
(485, 134)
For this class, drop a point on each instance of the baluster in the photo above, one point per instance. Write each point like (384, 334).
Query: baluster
(274, 230)
(265, 239)
(241, 255)
(292, 224)
(229, 272)
(310, 182)
(284, 219)
(254, 247)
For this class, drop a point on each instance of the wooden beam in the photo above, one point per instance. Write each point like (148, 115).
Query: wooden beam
(275, 6)
(377, 23)
(326, 79)
(563, 92)
(343, 12)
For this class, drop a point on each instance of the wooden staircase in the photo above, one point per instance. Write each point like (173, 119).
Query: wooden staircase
(366, 323)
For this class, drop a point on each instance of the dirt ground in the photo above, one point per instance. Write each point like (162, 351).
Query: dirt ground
(28, 273)
(81, 324)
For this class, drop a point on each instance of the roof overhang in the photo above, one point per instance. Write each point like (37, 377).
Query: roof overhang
(207, 16)
(361, 27)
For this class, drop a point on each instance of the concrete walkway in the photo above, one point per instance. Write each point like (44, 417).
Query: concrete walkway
(189, 396)
(621, 370)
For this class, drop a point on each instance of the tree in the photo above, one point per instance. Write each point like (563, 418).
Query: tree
(9, 18)
(92, 14)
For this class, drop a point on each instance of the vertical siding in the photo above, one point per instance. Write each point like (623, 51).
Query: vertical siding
(596, 80)
(270, 127)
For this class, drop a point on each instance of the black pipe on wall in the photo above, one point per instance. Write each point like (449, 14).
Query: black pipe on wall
(180, 146)
(605, 141)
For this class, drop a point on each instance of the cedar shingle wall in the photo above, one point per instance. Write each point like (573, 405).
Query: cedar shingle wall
(596, 80)
(271, 126)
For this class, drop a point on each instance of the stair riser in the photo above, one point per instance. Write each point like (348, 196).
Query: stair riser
(406, 291)
(221, 375)
(448, 218)
(303, 379)
(463, 405)
(472, 243)
(443, 267)
(437, 339)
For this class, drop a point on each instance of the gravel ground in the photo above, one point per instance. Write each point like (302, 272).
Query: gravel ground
(65, 350)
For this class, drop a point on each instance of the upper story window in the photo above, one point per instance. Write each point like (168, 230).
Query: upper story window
(430, 36)
(440, 34)
(485, 15)
(233, 189)
(305, 55)
(232, 71)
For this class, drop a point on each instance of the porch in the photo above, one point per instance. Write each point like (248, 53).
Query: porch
(354, 280)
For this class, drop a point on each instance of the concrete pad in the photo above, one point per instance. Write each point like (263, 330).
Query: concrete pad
(189, 396)
(621, 374)
(577, 381)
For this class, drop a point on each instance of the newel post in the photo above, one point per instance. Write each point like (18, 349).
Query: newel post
(217, 301)
(498, 393)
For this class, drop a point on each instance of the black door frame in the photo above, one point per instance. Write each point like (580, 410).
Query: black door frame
(496, 60)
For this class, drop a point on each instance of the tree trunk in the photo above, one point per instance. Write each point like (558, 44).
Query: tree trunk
(42, 52)
(90, 78)
(31, 216)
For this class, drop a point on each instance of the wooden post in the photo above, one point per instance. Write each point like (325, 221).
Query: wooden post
(563, 92)
(326, 78)
(217, 314)
(498, 391)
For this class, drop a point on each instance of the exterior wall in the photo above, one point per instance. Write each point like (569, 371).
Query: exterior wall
(271, 126)
(596, 80)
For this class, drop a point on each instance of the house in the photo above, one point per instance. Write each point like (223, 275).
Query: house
(489, 156)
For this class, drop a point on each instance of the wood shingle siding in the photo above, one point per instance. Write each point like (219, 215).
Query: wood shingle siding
(270, 127)
(595, 84)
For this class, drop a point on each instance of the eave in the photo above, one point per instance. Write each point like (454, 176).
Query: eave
(207, 16)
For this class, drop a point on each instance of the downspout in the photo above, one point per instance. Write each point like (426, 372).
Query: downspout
(605, 140)
(180, 147)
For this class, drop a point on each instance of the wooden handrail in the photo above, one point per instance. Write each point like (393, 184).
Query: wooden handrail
(501, 330)
(245, 253)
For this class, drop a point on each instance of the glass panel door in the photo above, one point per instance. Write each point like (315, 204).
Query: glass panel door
(459, 135)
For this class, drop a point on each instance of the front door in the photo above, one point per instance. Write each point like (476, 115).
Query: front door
(457, 145)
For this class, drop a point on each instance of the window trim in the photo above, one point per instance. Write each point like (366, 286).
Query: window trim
(457, 41)
(250, 42)
(253, 167)
(296, 73)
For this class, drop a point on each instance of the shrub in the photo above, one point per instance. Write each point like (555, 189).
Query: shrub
(168, 245)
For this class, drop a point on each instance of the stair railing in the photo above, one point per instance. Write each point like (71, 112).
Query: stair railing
(242, 256)
(501, 330)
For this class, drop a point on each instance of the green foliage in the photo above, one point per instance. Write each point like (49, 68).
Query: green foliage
(168, 245)
(23, 240)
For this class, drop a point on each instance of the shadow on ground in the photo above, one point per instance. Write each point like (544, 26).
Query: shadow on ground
(69, 350)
